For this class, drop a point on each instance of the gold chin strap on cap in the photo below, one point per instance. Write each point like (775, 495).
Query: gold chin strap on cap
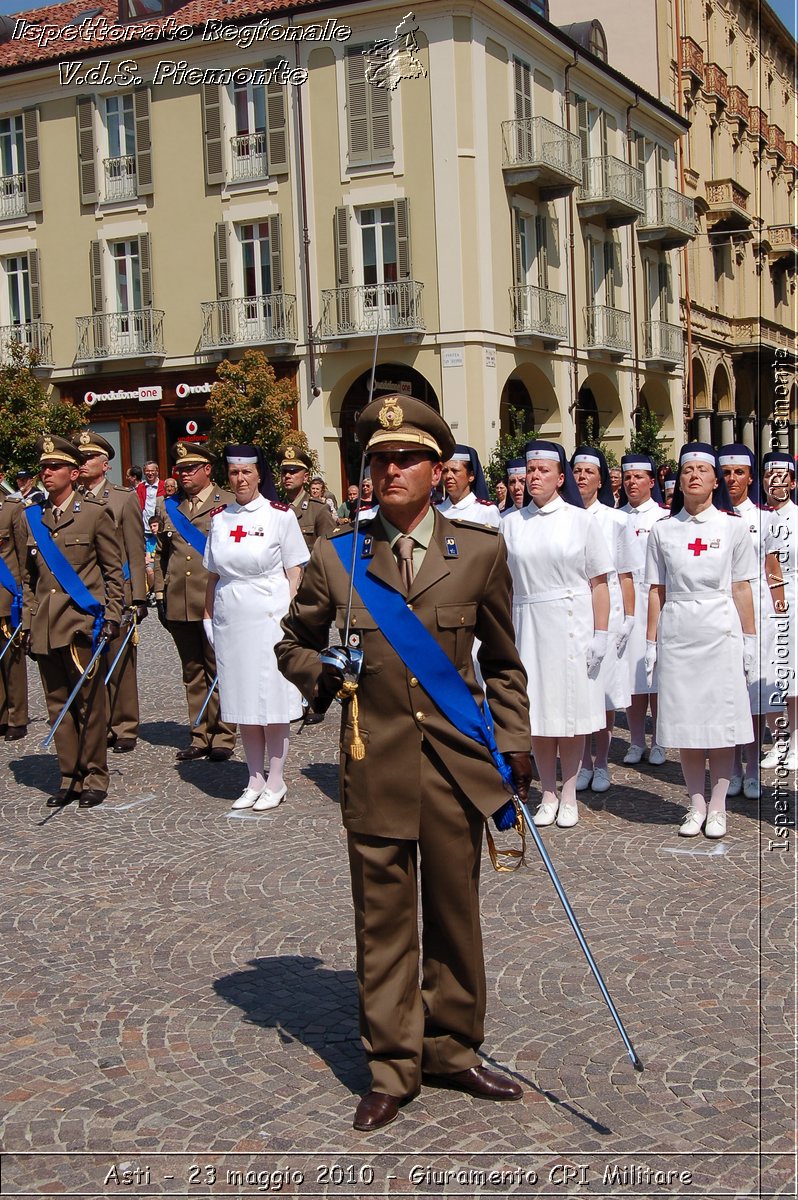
(510, 859)
(348, 691)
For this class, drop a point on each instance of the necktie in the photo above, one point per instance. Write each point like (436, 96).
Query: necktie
(56, 515)
(404, 549)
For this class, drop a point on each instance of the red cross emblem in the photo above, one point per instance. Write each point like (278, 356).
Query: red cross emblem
(239, 532)
(697, 547)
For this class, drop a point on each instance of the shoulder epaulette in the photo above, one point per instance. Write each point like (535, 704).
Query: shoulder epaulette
(486, 503)
(314, 500)
(764, 507)
(663, 506)
(730, 512)
(90, 496)
(215, 511)
(279, 505)
(473, 525)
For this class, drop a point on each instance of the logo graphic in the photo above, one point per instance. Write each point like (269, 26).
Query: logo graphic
(391, 60)
(390, 415)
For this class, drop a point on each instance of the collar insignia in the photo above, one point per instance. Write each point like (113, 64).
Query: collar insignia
(451, 547)
(368, 546)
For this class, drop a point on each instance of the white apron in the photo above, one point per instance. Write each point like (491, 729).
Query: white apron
(614, 675)
(643, 519)
(781, 538)
(703, 698)
(553, 553)
(249, 547)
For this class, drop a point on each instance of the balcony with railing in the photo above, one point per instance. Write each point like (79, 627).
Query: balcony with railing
(120, 178)
(783, 245)
(692, 59)
(716, 83)
(738, 106)
(727, 205)
(669, 219)
(248, 321)
(537, 312)
(389, 307)
(249, 154)
(758, 122)
(608, 330)
(36, 336)
(663, 343)
(777, 142)
(137, 333)
(541, 154)
(13, 196)
(611, 189)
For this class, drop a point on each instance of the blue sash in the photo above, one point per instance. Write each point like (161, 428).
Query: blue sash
(425, 659)
(126, 571)
(64, 572)
(8, 581)
(188, 532)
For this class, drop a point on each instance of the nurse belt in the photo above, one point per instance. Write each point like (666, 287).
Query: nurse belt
(447, 689)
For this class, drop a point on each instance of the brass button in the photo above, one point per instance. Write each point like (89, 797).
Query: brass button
(188, 572)
(413, 681)
(55, 534)
(188, 558)
(354, 620)
(420, 716)
(410, 606)
(462, 620)
(52, 591)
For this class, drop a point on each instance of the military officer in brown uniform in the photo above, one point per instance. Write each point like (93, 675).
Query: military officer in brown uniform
(123, 692)
(180, 580)
(61, 630)
(13, 667)
(315, 518)
(425, 786)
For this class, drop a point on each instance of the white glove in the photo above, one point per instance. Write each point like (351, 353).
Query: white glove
(623, 637)
(207, 625)
(750, 655)
(595, 652)
(650, 661)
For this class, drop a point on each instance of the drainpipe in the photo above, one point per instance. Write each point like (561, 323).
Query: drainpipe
(633, 260)
(571, 245)
(688, 306)
(314, 387)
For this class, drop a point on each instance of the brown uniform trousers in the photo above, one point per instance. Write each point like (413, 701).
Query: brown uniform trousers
(87, 538)
(181, 578)
(123, 692)
(315, 518)
(13, 668)
(421, 793)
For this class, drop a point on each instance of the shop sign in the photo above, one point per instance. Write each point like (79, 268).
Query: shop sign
(150, 392)
(192, 389)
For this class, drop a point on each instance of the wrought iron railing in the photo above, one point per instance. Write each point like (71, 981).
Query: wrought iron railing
(364, 309)
(37, 336)
(663, 342)
(693, 58)
(607, 328)
(120, 177)
(13, 198)
(537, 310)
(249, 156)
(608, 178)
(667, 207)
(129, 334)
(249, 320)
(716, 82)
(537, 141)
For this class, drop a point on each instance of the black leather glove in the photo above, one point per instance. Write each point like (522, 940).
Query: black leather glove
(521, 769)
(160, 608)
(140, 609)
(110, 630)
(327, 688)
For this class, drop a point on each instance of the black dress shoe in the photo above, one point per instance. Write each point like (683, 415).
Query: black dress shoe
(61, 797)
(479, 1081)
(15, 732)
(375, 1110)
(312, 718)
(124, 745)
(91, 797)
(220, 755)
(192, 752)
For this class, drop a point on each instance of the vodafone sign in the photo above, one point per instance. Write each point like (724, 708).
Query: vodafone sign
(192, 389)
(150, 392)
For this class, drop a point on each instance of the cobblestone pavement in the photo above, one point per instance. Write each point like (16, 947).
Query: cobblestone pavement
(179, 1003)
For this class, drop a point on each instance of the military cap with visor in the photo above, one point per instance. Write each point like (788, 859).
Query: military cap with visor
(294, 458)
(402, 422)
(57, 452)
(89, 442)
(191, 454)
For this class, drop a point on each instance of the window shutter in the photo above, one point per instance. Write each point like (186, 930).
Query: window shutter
(402, 215)
(380, 99)
(87, 166)
(33, 177)
(212, 130)
(342, 265)
(357, 107)
(277, 128)
(276, 252)
(141, 115)
(145, 263)
(34, 278)
(522, 79)
(542, 250)
(96, 260)
(221, 256)
(518, 259)
(553, 238)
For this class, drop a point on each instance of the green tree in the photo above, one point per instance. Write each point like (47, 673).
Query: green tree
(596, 438)
(646, 439)
(509, 445)
(248, 403)
(26, 412)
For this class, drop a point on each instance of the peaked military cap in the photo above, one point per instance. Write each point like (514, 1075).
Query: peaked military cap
(191, 453)
(57, 450)
(89, 442)
(403, 421)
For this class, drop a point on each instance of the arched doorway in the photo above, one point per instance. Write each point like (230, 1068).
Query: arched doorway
(699, 385)
(388, 377)
(516, 410)
(722, 421)
(598, 410)
(530, 390)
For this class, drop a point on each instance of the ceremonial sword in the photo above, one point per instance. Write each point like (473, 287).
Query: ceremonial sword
(206, 702)
(4, 651)
(121, 650)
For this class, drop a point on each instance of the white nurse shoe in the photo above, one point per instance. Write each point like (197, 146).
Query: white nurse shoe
(716, 825)
(692, 824)
(269, 799)
(568, 816)
(546, 813)
(633, 755)
(247, 798)
(583, 779)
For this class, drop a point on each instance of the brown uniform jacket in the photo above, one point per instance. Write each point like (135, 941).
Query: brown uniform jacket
(456, 599)
(315, 518)
(13, 539)
(179, 573)
(87, 538)
(126, 512)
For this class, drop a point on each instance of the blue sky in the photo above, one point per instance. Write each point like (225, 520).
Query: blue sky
(786, 9)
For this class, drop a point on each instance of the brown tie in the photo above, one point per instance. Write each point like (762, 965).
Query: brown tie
(56, 515)
(404, 550)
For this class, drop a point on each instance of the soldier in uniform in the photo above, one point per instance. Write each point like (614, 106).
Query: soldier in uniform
(73, 595)
(315, 518)
(425, 786)
(123, 693)
(13, 668)
(180, 580)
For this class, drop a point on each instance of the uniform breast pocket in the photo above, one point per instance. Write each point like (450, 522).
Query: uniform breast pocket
(363, 635)
(77, 549)
(456, 625)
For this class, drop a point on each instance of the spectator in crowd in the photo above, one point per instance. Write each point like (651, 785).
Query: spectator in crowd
(318, 490)
(150, 548)
(27, 491)
(366, 491)
(515, 471)
(616, 479)
(347, 510)
(170, 487)
(502, 495)
(148, 492)
(133, 477)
